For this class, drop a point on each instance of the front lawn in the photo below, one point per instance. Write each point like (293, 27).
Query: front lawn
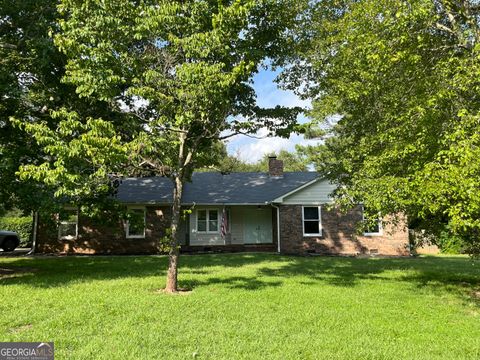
(245, 306)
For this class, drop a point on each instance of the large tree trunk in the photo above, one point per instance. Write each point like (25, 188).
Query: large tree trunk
(174, 251)
(184, 159)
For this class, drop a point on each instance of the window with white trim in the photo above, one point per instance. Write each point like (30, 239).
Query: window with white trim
(68, 224)
(312, 220)
(207, 220)
(135, 227)
(372, 227)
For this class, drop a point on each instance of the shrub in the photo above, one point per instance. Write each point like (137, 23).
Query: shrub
(447, 240)
(450, 243)
(21, 225)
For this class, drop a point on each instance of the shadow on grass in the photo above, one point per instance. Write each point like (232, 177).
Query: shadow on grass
(48, 272)
(233, 282)
(343, 271)
(455, 274)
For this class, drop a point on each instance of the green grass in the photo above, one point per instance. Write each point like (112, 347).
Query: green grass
(247, 306)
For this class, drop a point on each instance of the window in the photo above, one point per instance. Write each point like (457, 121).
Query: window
(312, 222)
(372, 226)
(213, 220)
(68, 224)
(207, 221)
(202, 220)
(135, 223)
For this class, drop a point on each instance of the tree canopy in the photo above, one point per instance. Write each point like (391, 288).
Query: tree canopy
(292, 161)
(29, 80)
(180, 75)
(34, 97)
(404, 77)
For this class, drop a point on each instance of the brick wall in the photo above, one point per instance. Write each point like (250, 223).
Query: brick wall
(101, 238)
(339, 234)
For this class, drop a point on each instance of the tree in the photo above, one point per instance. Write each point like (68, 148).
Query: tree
(33, 96)
(292, 161)
(225, 163)
(183, 69)
(27, 76)
(404, 77)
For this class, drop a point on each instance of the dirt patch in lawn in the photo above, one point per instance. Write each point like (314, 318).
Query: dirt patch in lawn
(181, 291)
(21, 328)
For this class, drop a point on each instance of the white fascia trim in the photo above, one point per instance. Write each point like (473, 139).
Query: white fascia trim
(143, 203)
(195, 204)
(280, 198)
(226, 204)
(305, 203)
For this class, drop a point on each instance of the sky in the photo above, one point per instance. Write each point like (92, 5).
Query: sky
(268, 95)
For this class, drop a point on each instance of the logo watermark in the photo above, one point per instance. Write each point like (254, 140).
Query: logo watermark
(26, 351)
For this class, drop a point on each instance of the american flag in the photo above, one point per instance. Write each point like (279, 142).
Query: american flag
(223, 228)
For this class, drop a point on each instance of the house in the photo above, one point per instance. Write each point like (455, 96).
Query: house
(285, 212)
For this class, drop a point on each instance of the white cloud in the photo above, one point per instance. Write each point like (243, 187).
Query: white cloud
(251, 150)
(272, 96)
(269, 95)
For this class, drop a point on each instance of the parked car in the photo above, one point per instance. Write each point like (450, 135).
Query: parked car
(9, 240)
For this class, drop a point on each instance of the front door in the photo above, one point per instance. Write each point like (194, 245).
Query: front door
(258, 226)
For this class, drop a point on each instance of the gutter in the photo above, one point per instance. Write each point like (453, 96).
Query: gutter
(278, 226)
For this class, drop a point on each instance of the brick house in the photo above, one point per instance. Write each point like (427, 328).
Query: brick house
(285, 212)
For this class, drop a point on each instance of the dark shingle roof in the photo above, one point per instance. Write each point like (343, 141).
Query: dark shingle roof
(214, 188)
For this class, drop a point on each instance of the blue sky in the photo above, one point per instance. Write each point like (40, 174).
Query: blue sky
(268, 95)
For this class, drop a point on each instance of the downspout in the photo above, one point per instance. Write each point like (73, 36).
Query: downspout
(34, 235)
(278, 227)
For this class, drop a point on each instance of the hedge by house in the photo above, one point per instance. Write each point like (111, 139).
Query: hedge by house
(21, 225)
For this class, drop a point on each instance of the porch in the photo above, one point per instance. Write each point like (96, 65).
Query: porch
(198, 249)
(248, 227)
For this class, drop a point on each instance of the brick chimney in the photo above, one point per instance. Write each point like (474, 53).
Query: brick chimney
(275, 167)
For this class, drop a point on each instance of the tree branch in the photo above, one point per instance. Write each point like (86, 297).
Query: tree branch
(242, 133)
(440, 26)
